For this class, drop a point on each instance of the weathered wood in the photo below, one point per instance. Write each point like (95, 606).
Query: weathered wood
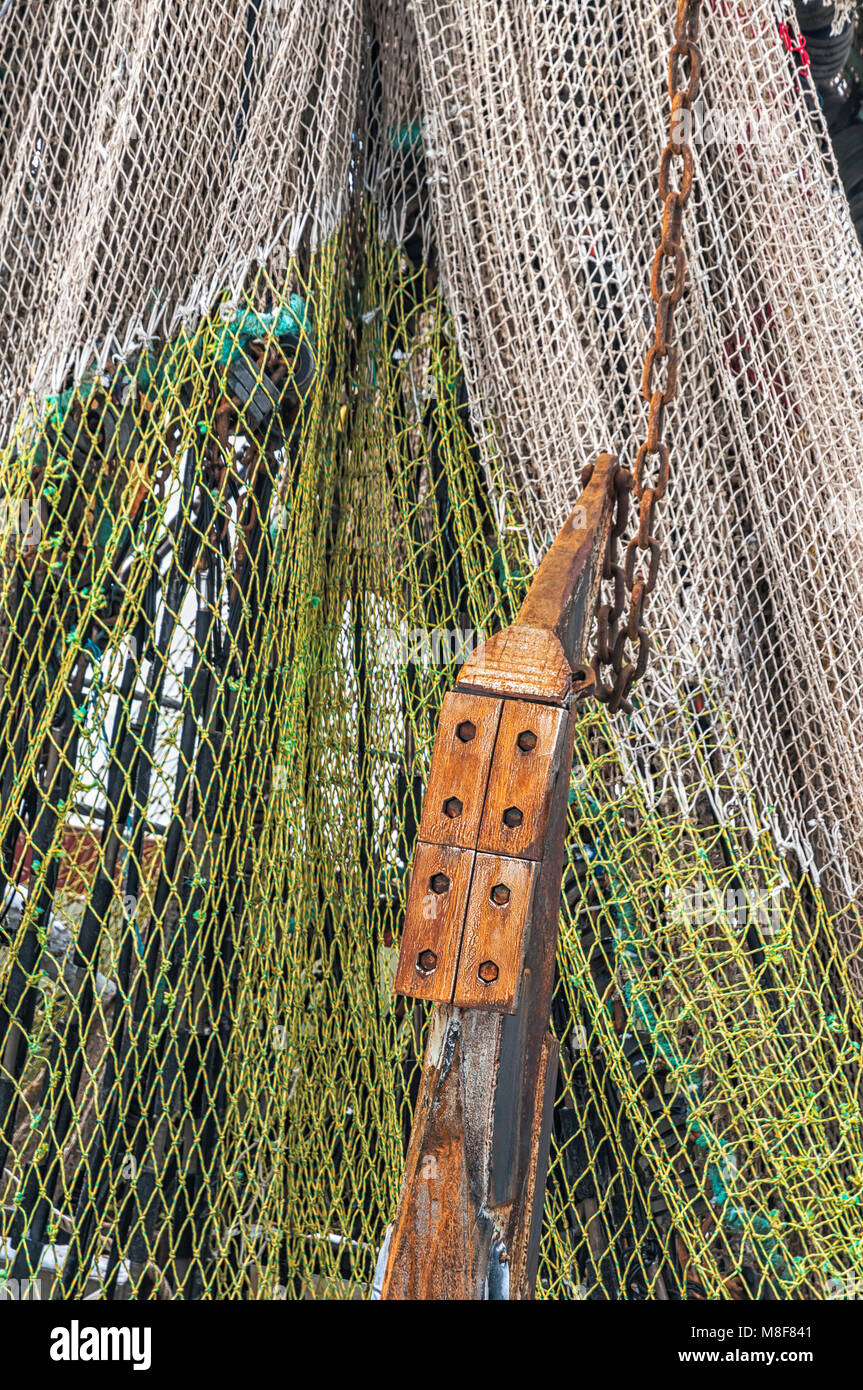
(526, 762)
(495, 933)
(563, 593)
(475, 1170)
(434, 919)
(441, 1241)
(522, 662)
(475, 908)
(526, 1241)
(461, 758)
(470, 1210)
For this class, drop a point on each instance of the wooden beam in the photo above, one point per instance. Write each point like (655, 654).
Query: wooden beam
(470, 1212)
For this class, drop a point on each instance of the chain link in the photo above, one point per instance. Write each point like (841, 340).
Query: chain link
(613, 634)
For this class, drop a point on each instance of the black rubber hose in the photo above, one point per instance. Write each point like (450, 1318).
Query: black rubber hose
(814, 14)
(857, 213)
(848, 146)
(828, 53)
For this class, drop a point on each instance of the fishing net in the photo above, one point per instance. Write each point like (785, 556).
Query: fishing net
(313, 316)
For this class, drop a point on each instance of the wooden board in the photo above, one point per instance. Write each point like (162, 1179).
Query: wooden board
(563, 594)
(500, 760)
(434, 919)
(461, 759)
(518, 799)
(520, 661)
(495, 933)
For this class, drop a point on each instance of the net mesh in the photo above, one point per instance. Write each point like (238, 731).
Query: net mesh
(313, 317)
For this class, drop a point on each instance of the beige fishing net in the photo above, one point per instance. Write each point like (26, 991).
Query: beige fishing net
(151, 153)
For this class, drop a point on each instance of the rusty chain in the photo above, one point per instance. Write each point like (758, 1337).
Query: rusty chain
(612, 637)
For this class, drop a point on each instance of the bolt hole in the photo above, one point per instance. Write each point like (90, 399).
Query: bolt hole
(439, 883)
(500, 894)
(466, 730)
(427, 962)
(488, 972)
(512, 817)
(453, 808)
(526, 741)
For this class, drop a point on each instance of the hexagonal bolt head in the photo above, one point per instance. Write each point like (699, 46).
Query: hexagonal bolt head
(512, 817)
(427, 962)
(439, 883)
(500, 894)
(466, 731)
(526, 741)
(488, 972)
(452, 807)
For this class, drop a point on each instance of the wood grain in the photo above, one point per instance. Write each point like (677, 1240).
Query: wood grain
(477, 1160)
(520, 661)
(521, 779)
(471, 1203)
(459, 770)
(563, 594)
(495, 933)
(443, 1231)
(434, 922)
(525, 1251)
